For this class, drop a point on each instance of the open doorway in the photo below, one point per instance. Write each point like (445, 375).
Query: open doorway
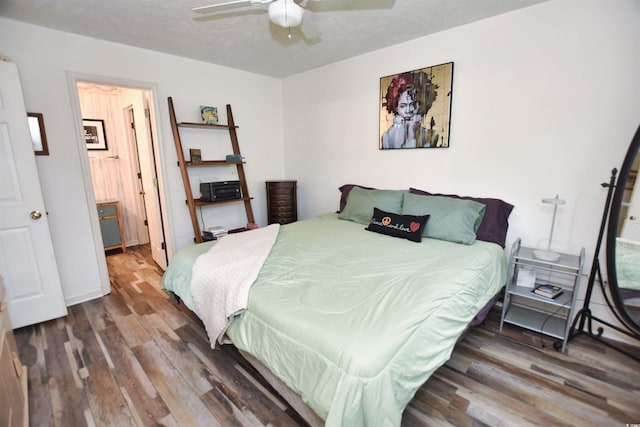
(119, 138)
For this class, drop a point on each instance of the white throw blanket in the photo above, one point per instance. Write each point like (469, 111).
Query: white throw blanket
(222, 277)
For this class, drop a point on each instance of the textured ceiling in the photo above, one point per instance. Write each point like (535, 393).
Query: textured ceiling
(243, 38)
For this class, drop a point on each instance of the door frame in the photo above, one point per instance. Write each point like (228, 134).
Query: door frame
(72, 79)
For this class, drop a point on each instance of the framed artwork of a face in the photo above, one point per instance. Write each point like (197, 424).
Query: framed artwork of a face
(415, 108)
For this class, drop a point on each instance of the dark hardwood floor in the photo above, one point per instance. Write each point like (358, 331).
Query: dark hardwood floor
(136, 358)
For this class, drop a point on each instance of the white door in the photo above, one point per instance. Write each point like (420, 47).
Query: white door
(142, 229)
(152, 195)
(27, 261)
(142, 137)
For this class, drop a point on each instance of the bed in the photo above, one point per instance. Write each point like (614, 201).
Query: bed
(353, 311)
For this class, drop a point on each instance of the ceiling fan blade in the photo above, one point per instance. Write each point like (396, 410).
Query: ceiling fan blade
(212, 7)
(233, 13)
(337, 5)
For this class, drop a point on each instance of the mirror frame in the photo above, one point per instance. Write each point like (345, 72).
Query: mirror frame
(38, 135)
(612, 227)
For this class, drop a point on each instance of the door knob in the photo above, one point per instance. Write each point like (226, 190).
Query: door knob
(632, 218)
(36, 215)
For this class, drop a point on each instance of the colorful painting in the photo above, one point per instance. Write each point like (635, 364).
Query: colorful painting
(209, 115)
(415, 108)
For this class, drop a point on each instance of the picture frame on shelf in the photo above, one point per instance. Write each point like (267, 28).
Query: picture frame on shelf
(195, 154)
(94, 135)
(38, 134)
(209, 115)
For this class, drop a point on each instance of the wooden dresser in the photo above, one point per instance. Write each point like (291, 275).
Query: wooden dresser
(282, 206)
(14, 405)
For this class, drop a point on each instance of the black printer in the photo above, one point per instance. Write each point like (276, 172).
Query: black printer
(220, 190)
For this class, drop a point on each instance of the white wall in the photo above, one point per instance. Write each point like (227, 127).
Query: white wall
(544, 103)
(45, 58)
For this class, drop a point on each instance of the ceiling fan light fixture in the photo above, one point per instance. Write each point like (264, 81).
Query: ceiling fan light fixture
(285, 13)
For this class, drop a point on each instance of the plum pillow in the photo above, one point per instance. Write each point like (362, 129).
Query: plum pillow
(495, 223)
(408, 227)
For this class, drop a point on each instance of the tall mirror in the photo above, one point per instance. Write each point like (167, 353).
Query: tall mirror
(621, 220)
(623, 241)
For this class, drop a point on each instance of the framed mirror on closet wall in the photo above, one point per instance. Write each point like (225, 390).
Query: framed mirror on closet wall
(38, 135)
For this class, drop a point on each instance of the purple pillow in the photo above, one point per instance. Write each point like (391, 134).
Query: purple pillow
(495, 222)
(344, 190)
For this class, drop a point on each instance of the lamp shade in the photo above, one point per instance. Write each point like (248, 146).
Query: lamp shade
(554, 201)
(285, 13)
(548, 254)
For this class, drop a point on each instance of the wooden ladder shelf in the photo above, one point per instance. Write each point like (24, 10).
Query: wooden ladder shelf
(184, 165)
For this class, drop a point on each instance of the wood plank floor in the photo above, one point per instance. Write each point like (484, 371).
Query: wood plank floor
(135, 358)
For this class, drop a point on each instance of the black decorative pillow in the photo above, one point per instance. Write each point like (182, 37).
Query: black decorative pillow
(405, 226)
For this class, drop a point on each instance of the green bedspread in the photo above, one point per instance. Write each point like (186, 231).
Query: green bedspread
(354, 321)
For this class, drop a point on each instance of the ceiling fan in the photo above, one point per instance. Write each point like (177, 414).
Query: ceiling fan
(289, 13)
(284, 13)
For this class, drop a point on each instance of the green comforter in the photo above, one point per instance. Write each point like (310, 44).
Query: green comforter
(354, 321)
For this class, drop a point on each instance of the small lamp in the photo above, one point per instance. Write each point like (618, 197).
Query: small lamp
(548, 254)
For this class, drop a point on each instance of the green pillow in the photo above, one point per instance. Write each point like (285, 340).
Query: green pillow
(455, 220)
(360, 204)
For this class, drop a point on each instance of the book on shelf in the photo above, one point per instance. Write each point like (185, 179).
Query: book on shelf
(196, 155)
(218, 231)
(548, 291)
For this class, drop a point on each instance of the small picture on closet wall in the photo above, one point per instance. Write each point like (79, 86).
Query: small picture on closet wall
(38, 136)
(94, 135)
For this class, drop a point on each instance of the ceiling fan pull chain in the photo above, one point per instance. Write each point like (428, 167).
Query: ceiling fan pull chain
(286, 15)
(286, 18)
